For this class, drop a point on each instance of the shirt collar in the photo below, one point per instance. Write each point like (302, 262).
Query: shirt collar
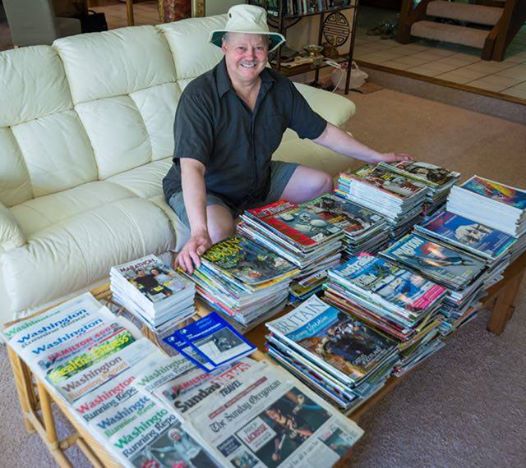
(224, 84)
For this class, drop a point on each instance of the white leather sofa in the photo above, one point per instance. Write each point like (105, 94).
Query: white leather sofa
(85, 139)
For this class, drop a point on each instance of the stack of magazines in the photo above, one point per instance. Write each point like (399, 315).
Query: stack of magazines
(398, 198)
(490, 203)
(153, 292)
(464, 275)
(392, 300)
(437, 179)
(489, 244)
(298, 234)
(244, 280)
(364, 229)
(384, 295)
(333, 352)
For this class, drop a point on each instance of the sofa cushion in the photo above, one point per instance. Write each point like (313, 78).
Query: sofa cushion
(117, 134)
(310, 154)
(134, 58)
(330, 106)
(11, 236)
(57, 152)
(50, 211)
(157, 106)
(188, 40)
(27, 92)
(144, 181)
(15, 186)
(80, 250)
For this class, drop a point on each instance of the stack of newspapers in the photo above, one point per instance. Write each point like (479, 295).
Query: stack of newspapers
(254, 414)
(398, 198)
(437, 179)
(463, 274)
(99, 365)
(338, 355)
(391, 300)
(492, 204)
(244, 280)
(299, 234)
(153, 292)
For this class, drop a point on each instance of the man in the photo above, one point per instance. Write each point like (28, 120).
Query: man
(229, 122)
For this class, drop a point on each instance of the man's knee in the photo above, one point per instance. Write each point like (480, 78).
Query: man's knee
(326, 183)
(220, 222)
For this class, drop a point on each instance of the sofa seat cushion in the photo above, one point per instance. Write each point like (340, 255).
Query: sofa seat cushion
(144, 181)
(310, 154)
(39, 214)
(80, 249)
(330, 106)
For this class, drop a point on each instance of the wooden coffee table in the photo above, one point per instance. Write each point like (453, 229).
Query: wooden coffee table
(36, 397)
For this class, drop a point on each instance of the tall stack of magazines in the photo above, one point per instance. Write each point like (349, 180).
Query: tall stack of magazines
(333, 352)
(244, 280)
(492, 204)
(364, 229)
(299, 234)
(437, 179)
(398, 198)
(463, 274)
(153, 292)
(391, 300)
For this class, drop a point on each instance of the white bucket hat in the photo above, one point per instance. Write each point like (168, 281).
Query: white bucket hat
(247, 19)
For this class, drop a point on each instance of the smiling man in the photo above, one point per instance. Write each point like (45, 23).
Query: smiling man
(229, 122)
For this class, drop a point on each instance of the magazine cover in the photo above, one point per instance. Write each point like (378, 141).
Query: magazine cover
(436, 260)
(499, 192)
(354, 219)
(463, 231)
(299, 224)
(333, 338)
(152, 278)
(246, 261)
(425, 172)
(389, 282)
(214, 339)
(388, 181)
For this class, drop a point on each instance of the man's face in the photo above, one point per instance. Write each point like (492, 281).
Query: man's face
(246, 55)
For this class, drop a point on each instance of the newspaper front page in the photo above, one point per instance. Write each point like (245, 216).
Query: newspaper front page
(270, 419)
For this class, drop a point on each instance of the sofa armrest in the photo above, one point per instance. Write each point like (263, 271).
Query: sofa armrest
(333, 107)
(11, 236)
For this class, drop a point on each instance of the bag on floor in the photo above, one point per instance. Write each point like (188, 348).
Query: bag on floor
(93, 22)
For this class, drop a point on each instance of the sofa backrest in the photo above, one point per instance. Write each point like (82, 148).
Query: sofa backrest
(95, 105)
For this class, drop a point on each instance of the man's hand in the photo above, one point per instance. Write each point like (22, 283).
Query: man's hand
(189, 255)
(391, 157)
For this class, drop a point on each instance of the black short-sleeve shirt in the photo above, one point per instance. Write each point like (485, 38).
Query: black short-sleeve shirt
(214, 126)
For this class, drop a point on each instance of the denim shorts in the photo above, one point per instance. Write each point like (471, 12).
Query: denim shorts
(280, 174)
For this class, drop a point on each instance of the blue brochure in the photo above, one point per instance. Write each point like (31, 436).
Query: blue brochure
(210, 343)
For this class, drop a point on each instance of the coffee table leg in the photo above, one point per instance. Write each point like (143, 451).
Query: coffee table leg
(504, 305)
(49, 427)
(24, 388)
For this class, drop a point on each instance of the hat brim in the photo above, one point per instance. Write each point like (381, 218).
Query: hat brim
(276, 39)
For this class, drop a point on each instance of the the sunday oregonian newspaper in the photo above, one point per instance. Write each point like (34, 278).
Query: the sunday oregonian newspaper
(267, 418)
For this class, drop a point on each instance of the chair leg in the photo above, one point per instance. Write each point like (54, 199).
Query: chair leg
(129, 12)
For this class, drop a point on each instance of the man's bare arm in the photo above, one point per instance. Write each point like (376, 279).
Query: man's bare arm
(340, 141)
(194, 195)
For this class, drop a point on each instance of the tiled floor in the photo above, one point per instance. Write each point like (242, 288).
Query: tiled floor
(448, 62)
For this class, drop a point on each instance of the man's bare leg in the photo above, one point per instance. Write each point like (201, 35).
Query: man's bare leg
(305, 184)
(220, 222)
